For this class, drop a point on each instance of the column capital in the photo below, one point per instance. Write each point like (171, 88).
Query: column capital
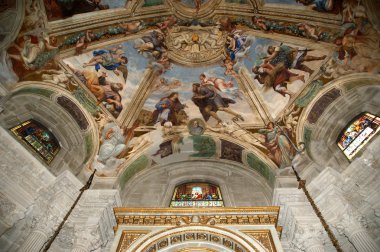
(309, 238)
(87, 238)
(350, 222)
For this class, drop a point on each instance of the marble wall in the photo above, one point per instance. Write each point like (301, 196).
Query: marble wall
(33, 202)
(349, 201)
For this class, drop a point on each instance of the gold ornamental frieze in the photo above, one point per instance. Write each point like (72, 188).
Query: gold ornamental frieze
(197, 236)
(128, 237)
(189, 216)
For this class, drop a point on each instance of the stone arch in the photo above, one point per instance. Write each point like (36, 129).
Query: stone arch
(158, 182)
(14, 17)
(236, 240)
(331, 110)
(57, 110)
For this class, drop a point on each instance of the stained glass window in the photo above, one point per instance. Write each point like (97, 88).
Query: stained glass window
(358, 133)
(38, 138)
(197, 195)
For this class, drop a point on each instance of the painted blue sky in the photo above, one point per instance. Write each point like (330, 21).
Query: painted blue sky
(115, 3)
(292, 2)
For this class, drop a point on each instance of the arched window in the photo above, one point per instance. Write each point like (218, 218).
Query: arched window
(38, 138)
(358, 133)
(197, 195)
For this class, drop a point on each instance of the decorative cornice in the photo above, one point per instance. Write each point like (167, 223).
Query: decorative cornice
(273, 209)
(190, 216)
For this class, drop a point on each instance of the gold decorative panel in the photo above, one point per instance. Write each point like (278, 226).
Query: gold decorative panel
(184, 226)
(262, 236)
(128, 237)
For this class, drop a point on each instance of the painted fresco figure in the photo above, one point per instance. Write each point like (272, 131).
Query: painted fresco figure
(235, 43)
(197, 4)
(290, 57)
(112, 143)
(103, 90)
(67, 8)
(320, 5)
(131, 27)
(277, 77)
(209, 102)
(112, 60)
(167, 110)
(169, 22)
(36, 51)
(280, 150)
(83, 41)
(218, 83)
(152, 43)
(111, 95)
(266, 25)
(235, 131)
(196, 127)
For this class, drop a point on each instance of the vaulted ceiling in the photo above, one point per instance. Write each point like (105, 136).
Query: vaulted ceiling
(164, 81)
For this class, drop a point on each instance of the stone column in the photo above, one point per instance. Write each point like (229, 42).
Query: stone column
(352, 225)
(87, 238)
(309, 237)
(34, 241)
(92, 221)
(302, 229)
(48, 210)
(363, 242)
(318, 248)
(344, 200)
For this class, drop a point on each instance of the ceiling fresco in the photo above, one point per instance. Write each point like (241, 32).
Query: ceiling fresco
(327, 6)
(291, 68)
(182, 79)
(191, 84)
(116, 68)
(60, 9)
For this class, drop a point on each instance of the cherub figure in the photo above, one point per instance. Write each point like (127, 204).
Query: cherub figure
(83, 41)
(260, 23)
(166, 85)
(310, 30)
(131, 27)
(167, 23)
(229, 65)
